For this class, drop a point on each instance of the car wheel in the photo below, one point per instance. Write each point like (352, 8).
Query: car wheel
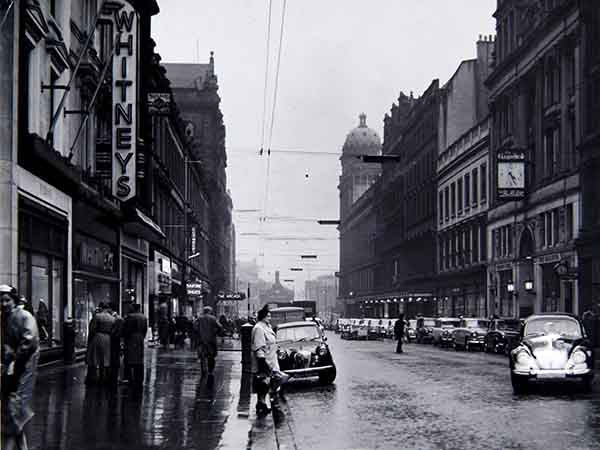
(519, 386)
(327, 377)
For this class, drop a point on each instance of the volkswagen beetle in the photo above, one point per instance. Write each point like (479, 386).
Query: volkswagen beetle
(303, 352)
(553, 347)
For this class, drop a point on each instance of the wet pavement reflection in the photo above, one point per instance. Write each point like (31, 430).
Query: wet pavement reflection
(178, 409)
(430, 398)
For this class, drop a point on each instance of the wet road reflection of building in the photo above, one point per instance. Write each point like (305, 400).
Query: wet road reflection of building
(177, 409)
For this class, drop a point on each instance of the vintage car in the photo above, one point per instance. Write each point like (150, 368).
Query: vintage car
(425, 329)
(411, 330)
(303, 352)
(389, 328)
(359, 329)
(373, 329)
(442, 331)
(502, 335)
(470, 334)
(345, 328)
(553, 347)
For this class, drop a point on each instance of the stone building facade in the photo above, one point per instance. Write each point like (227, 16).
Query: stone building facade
(462, 192)
(538, 109)
(357, 217)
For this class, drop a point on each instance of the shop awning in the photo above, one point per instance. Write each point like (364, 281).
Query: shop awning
(140, 224)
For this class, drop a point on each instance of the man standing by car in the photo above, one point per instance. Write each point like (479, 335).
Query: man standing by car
(20, 352)
(399, 332)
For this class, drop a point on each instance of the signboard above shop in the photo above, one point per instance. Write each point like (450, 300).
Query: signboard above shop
(233, 296)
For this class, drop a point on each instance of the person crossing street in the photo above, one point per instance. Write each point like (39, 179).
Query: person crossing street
(399, 332)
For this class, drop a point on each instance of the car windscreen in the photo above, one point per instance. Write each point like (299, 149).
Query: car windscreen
(476, 323)
(543, 326)
(429, 323)
(304, 333)
(450, 323)
(509, 325)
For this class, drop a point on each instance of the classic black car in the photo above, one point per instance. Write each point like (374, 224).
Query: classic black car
(502, 335)
(553, 347)
(425, 329)
(470, 334)
(303, 352)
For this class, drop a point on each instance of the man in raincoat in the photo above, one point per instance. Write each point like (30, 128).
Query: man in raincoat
(115, 346)
(20, 352)
(98, 352)
(207, 328)
(135, 328)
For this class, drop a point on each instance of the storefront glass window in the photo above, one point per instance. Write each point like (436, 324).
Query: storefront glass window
(40, 294)
(87, 295)
(133, 275)
(57, 297)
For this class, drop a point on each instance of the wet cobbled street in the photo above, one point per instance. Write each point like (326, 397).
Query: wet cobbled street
(431, 398)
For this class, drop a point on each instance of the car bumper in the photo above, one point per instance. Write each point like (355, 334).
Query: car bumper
(308, 372)
(475, 341)
(446, 339)
(553, 375)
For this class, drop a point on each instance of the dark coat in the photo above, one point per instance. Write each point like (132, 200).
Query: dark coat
(207, 328)
(135, 328)
(115, 341)
(101, 327)
(20, 344)
(399, 329)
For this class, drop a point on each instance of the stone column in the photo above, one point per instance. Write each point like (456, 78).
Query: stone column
(8, 147)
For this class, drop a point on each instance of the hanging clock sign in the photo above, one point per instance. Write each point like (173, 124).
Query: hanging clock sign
(511, 175)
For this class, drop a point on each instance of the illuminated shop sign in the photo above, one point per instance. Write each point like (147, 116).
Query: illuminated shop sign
(124, 110)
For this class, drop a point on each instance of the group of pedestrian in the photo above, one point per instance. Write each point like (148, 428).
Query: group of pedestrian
(112, 339)
(20, 353)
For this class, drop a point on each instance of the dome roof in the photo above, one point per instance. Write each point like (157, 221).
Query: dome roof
(362, 140)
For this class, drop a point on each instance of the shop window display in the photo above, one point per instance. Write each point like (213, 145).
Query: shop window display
(87, 295)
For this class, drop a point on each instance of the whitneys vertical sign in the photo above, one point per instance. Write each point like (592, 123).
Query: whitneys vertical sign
(124, 113)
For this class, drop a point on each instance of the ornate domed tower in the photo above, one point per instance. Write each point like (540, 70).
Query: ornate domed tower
(357, 176)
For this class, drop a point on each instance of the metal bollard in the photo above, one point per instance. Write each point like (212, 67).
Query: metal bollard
(246, 338)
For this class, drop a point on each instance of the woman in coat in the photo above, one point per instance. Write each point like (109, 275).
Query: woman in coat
(20, 352)
(135, 328)
(98, 352)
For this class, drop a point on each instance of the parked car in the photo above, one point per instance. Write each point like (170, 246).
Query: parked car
(425, 329)
(553, 347)
(411, 330)
(389, 329)
(470, 334)
(442, 330)
(502, 335)
(303, 352)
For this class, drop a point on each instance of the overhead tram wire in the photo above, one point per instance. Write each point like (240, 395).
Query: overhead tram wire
(277, 70)
(264, 114)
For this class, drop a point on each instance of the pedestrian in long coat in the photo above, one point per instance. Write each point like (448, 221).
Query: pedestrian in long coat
(20, 352)
(98, 352)
(399, 332)
(115, 347)
(135, 328)
(208, 328)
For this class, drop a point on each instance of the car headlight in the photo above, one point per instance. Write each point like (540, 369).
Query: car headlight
(282, 354)
(523, 358)
(578, 357)
(321, 350)
(473, 334)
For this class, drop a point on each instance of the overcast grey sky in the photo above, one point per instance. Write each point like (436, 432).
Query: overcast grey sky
(339, 58)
